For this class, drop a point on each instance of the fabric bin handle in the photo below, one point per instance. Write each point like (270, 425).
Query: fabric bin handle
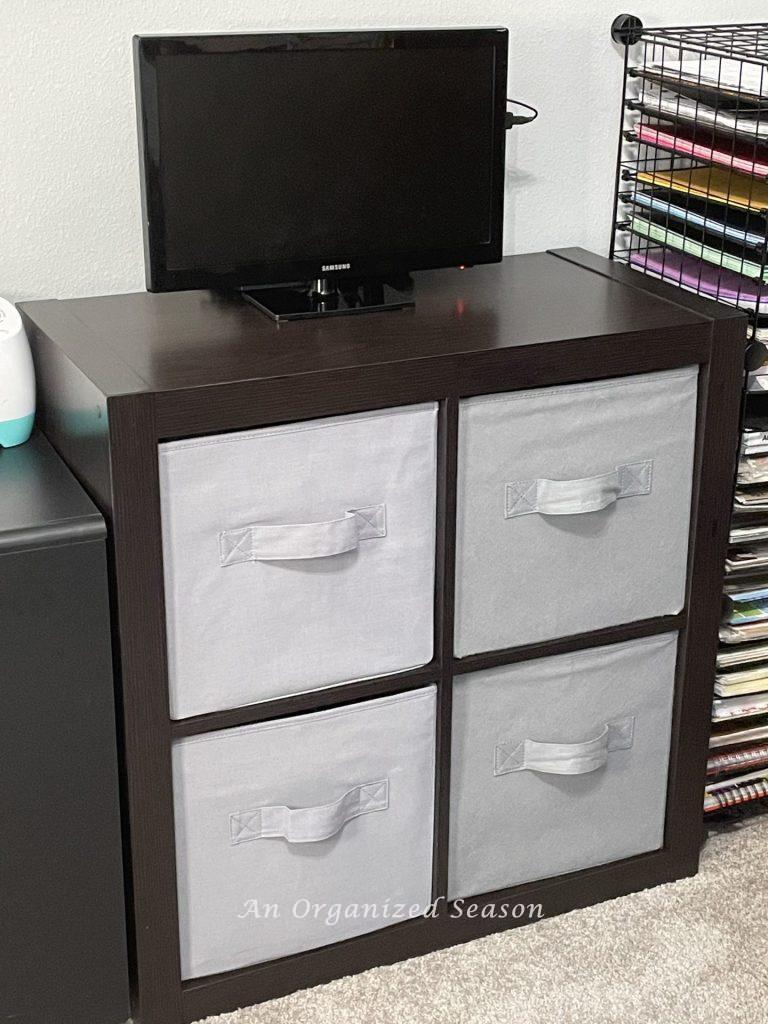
(574, 497)
(308, 824)
(293, 541)
(565, 758)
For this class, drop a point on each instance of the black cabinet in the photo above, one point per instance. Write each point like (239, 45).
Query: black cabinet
(62, 926)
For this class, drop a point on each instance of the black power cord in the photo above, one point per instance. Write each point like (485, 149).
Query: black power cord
(510, 119)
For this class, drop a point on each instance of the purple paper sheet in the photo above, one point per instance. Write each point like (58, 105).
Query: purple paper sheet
(715, 282)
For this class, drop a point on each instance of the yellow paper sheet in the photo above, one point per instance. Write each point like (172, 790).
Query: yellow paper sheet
(722, 186)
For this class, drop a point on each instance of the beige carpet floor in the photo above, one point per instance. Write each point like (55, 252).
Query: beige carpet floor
(694, 952)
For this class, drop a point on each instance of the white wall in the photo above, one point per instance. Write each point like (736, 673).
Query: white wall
(68, 166)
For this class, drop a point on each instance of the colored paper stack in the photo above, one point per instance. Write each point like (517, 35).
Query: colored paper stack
(692, 201)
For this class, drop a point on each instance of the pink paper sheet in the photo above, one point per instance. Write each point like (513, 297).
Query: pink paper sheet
(742, 158)
(705, 278)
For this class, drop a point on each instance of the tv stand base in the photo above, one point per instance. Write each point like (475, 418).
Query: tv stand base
(325, 297)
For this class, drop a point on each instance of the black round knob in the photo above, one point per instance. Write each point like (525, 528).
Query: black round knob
(626, 29)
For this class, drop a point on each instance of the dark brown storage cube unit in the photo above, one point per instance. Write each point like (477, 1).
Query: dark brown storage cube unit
(524, 482)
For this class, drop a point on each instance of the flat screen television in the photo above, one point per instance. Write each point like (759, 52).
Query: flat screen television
(319, 161)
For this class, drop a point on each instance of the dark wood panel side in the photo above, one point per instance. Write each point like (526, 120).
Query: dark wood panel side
(622, 274)
(367, 689)
(449, 432)
(143, 692)
(566, 644)
(88, 348)
(312, 700)
(719, 411)
(254, 403)
(72, 412)
(224, 992)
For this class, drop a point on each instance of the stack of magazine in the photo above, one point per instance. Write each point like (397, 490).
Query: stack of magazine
(737, 770)
(748, 547)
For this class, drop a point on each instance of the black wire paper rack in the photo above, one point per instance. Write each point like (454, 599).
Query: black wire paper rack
(691, 202)
(691, 207)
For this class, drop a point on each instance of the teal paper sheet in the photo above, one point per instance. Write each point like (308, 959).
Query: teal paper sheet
(708, 223)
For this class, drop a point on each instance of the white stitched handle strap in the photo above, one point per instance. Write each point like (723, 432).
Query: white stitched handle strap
(565, 758)
(292, 541)
(574, 497)
(308, 824)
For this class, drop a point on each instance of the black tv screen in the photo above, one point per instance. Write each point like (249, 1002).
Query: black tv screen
(272, 158)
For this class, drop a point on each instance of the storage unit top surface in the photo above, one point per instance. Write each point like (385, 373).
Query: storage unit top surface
(143, 342)
(41, 503)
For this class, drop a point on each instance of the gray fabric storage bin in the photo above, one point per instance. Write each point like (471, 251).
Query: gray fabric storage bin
(331, 810)
(559, 764)
(298, 556)
(573, 508)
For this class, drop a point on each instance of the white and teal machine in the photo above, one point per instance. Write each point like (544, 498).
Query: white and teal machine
(17, 379)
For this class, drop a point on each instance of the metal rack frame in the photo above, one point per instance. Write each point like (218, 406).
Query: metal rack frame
(694, 117)
(695, 99)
